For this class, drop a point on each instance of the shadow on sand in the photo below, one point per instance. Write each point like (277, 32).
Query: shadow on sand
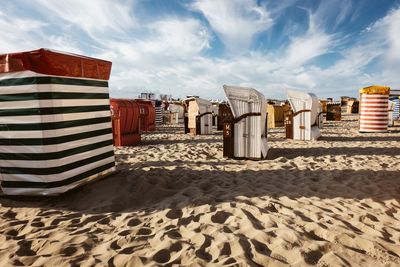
(159, 188)
(365, 138)
(291, 153)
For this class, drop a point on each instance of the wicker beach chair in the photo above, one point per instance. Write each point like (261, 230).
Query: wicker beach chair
(307, 119)
(245, 135)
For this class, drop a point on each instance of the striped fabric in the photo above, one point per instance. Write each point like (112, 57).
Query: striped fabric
(373, 113)
(307, 119)
(396, 111)
(55, 132)
(159, 112)
(249, 109)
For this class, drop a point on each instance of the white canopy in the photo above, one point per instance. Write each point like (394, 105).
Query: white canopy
(249, 133)
(301, 100)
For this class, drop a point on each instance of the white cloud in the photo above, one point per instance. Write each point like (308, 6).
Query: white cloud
(177, 37)
(270, 73)
(163, 58)
(64, 43)
(387, 29)
(303, 49)
(235, 21)
(170, 53)
(94, 17)
(386, 32)
(19, 34)
(333, 12)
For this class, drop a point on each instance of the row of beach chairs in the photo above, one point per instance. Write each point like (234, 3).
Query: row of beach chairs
(56, 126)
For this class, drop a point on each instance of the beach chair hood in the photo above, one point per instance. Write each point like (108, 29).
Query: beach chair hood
(244, 101)
(304, 101)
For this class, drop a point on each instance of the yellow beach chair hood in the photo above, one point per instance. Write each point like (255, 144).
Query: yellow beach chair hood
(375, 90)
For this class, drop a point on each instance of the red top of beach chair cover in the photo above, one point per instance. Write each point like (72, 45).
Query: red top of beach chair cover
(56, 63)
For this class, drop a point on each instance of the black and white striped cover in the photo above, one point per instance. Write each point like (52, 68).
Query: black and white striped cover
(159, 112)
(55, 132)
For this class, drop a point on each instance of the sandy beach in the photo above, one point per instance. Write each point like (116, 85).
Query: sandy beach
(176, 201)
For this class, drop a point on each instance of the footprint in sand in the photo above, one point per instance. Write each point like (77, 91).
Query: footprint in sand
(69, 251)
(174, 214)
(261, 247)
(312, 257)
(220, 217)
(162, 256)
(25, 248)
(226, 250)
(134, 222)
(174, 234)
(124, 233)
(202, 253)
(144, 232)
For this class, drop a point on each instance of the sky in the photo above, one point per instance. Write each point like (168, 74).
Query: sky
(192, 47)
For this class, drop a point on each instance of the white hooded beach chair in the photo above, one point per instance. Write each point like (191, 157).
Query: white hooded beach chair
(396, 109)
(215, 111)
(200, 116)
(395, 97)
(177, 113)
(307, 119)
(391, 107)
(249, 123)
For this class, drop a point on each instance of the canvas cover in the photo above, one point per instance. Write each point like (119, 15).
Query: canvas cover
(395, 96)
(396, 108)
(55, 128)
(306, 115)
(302, 100)
(375, 90)
(202, 108)
(249, 133)
(177, 112)
(374, 113)
(159, 112)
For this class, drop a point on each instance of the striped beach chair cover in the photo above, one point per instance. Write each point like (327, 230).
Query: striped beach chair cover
(396, 110)
(159, 112)
(374, 113)
(55, 125)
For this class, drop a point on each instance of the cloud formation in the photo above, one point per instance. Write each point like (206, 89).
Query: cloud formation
(235, 21)
(201, 46)
(94, 17)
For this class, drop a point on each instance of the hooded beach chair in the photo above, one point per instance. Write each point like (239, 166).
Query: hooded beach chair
(200, 116)
(395, 97)
(396, 110)
(307, 119)
(55, 126)
(176, 113)
(374, 114)
(391, 107)
(245, 136)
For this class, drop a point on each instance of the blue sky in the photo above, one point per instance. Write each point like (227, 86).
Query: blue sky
(329, 47)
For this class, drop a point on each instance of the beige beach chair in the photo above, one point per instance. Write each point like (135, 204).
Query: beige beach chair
(200, 116)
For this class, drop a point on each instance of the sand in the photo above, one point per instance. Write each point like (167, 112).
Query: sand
(177, 201)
